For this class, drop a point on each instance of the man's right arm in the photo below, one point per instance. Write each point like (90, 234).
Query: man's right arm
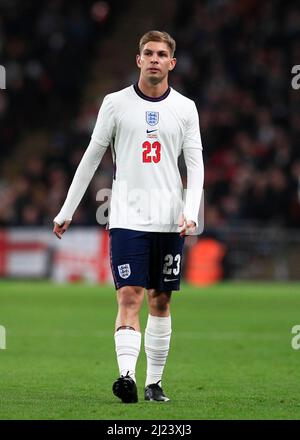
(101, 138)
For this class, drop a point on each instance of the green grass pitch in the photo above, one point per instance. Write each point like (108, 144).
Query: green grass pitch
(230, 358)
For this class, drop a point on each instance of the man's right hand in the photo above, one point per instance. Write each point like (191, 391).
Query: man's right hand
(58, 230)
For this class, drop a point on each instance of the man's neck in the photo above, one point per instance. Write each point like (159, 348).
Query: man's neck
(153, 90)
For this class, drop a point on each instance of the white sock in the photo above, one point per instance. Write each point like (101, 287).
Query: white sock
(157, 343)
(128, 344)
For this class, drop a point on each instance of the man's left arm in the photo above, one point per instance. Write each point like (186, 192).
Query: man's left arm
(192, 151)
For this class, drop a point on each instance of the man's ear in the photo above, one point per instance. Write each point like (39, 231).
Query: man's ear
(138, 61)
(172, 64)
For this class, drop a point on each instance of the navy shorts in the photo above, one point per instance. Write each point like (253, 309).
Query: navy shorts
(147, 259)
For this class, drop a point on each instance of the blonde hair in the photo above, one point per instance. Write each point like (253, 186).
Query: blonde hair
(163, 37)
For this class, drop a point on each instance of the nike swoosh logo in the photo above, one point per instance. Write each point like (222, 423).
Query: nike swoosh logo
(172, 279)
(151, 131)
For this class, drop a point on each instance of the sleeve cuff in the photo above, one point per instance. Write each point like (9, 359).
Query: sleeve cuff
(60, 220)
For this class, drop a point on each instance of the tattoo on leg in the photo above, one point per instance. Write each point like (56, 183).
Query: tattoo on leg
(125, 327)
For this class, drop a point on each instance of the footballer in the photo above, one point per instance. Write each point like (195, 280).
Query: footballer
(147, 126)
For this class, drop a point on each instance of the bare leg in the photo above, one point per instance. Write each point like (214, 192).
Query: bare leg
(159, 303)
(130, 300)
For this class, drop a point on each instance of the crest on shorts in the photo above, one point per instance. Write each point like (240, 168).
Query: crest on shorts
(152, 118)
(124, 270)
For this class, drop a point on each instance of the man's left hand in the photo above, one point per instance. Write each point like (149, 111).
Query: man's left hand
(188, 227)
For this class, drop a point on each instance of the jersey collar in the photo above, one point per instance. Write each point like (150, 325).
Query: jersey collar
(149, 98)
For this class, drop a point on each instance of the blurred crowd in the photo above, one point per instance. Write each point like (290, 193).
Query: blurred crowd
(234, 60)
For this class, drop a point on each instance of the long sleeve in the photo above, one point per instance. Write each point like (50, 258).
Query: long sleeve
(192, 151)
(100, 140)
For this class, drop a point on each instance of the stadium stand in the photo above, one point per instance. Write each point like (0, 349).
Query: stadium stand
(234, 60)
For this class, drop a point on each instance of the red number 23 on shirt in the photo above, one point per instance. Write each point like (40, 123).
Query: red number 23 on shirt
(147, 149)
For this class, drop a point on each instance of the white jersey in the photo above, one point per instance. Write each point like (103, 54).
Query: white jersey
(146, 135)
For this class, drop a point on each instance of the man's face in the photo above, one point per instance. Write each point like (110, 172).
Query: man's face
(155, 61)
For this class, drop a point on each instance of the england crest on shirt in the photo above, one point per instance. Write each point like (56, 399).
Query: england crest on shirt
(124, 270)
(152, 118)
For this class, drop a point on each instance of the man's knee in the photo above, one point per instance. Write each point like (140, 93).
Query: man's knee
(159, 301)
(130, 297)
